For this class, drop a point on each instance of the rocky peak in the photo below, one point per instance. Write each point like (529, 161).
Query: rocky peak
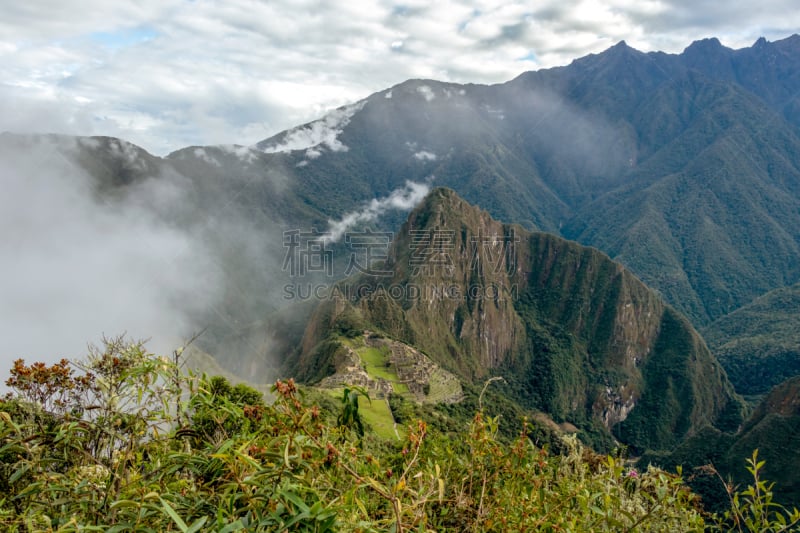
(576, 335)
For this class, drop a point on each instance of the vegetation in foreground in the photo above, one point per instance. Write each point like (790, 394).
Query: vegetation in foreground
(124, 441)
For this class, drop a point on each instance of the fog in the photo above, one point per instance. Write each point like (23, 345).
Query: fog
(100, 239)
(75, 265)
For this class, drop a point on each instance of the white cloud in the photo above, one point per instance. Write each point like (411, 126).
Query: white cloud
(201, 154)
(320, 133)
(402, 199)
(245, 153)
(426, 92)
(166, 74)
(424, 155)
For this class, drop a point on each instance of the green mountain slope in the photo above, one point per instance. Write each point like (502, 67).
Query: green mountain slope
(759, 344)
(685, 168)
(773, 429)
(720, 226)
(575, 334)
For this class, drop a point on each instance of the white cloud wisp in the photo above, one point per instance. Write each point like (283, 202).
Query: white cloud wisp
(402, 199)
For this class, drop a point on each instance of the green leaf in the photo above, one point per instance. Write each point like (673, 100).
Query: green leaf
(172, 514)
(295, 499)
(19, 473)
(295, 519)
(195, 527)
(233, 526)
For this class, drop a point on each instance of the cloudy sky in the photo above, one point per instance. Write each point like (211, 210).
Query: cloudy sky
(170, 73)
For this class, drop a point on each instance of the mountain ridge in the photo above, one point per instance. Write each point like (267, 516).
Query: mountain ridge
(576, 335)
(609, 125)
(684, 167)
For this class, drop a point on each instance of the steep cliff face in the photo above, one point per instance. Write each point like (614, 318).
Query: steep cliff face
(458, 273)
(575, 334)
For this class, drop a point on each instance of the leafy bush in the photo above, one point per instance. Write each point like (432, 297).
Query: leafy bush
(753, 508)
(125, 442)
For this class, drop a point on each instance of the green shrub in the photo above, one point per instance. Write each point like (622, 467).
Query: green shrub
(125, 442)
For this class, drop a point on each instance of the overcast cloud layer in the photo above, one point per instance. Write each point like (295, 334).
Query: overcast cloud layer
(171, 73)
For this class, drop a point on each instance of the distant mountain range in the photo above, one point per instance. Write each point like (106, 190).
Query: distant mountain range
(686, 168)
(683, 167)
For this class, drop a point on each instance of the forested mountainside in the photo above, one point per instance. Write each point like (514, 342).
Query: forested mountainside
(575, 334)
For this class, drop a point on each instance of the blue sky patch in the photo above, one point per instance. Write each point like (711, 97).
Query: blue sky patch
(123, 38)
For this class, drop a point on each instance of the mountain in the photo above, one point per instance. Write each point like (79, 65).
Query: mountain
(759, 344)
(686, 168)
(574, 334)
(773, 429)
(683, 167)
(111, 164)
